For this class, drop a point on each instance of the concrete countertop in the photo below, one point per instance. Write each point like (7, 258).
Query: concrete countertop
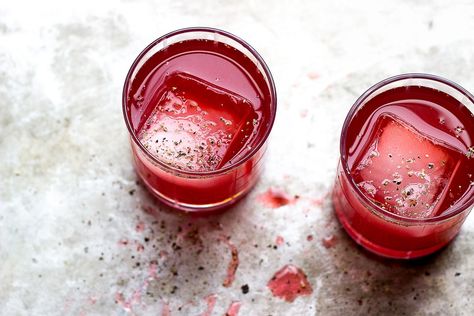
(80, 236)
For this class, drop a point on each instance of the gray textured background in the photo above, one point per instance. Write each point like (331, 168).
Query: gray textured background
(76, 234)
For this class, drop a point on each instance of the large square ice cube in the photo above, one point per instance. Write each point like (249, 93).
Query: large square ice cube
(404, 171)
(197, 125)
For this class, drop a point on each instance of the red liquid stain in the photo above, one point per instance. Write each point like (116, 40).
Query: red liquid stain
(275, 198)
(309, 237)
(211, 302)
(289, 283)
(279, 241)
(233, 309)
(329, 241)
(165, 310)
(135, 298)
(233, 264)
(140, 227)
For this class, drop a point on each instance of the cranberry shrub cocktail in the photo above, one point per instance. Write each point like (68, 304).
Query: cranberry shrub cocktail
(405, 180)
(199, 104)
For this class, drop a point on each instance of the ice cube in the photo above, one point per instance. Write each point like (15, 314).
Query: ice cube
(197, 125)
(404, 171)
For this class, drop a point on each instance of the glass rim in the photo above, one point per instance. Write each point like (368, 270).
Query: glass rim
(260, 61)
(456, 209)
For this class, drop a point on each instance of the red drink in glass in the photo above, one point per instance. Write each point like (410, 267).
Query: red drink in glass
(199, 104)
(405, 181)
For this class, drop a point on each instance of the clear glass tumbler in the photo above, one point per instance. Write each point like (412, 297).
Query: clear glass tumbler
(212, 95)
(406, 206)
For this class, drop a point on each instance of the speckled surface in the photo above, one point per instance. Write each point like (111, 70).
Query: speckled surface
(80, 236)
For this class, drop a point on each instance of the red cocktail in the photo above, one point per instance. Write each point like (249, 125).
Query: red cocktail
(405, 181)
(199, 104)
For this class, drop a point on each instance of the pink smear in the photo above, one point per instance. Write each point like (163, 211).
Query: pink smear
(313, 75)
(309, 237)
(279, 241)
(233, 309)
(135, 298)
(120, 299)
(165, 309)
(275, 198)
(140, 226)
(318, 202)
(304, 113)
(233, 264)
(329, 241)
(289, 283)
(211, 302)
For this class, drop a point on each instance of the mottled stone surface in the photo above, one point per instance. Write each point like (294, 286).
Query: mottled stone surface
(80, 236)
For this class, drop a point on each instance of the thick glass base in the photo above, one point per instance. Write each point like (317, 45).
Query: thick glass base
(383, 251)
(198, 209)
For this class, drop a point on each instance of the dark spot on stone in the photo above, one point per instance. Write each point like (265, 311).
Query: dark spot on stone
(245, 288)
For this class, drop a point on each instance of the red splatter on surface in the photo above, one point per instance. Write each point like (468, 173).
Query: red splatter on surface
(233, 309)
(233, 264)
(165, 309)
(140, 226)
(289, 282)
(136, 296)
(279, 240)
(211, 302)
(309, 237)
(275, 198)
(329, 241)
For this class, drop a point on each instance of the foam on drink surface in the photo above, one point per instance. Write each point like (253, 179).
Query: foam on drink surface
(404, 171)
